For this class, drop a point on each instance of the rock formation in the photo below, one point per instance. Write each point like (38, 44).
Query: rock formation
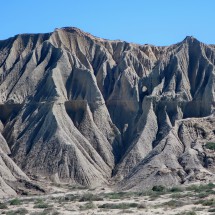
(13, 180)
(84, 110)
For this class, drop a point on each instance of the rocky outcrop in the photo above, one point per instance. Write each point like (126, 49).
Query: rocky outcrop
(180, 157)
(5, 172)
(80, 109)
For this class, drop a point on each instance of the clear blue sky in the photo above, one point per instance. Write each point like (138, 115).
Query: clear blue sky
(158, 22)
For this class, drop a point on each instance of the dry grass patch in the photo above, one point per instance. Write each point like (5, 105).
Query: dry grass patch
(90, 197)
(88, 206)
(173, 204)
(19, 211)
(207, 202)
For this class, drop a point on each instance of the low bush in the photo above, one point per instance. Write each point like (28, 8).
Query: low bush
(42, 205)
(71, 197)
(187, 213)
(72, 187)
(119, 195)
(158, 188)
(207, 202)
(15, 202)
(39, 203)
(90, 197)
(176, 190)
(210, 145)
(201, 188)
(118, 206)
(211, 210)
(3, 206)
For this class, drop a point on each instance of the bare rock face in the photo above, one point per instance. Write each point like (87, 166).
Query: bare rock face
(13, 180)
(79, 109)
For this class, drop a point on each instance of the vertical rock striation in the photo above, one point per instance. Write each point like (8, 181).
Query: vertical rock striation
(83, 110)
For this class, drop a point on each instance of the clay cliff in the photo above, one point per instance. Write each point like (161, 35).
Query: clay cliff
(79, 109)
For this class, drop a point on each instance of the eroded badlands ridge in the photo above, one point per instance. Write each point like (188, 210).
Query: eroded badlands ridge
(79, 109)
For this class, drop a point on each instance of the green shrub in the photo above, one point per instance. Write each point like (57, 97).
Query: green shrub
(3, 206)
(210, 185)
(210, 145)
(15, 202)
(205, 193)
(207, 202)
(176, 189)
(202, 195)
(158, 188)
(201, 188)
(71, 197)
(133, 205)
(118, 206)
(187, 213)
(39, 203)
(42, 205)
(156, 192)
(190, 213)
(211, 210)
(73, 187)
(90, 197)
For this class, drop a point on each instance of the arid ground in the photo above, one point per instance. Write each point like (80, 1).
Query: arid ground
(65, 199)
